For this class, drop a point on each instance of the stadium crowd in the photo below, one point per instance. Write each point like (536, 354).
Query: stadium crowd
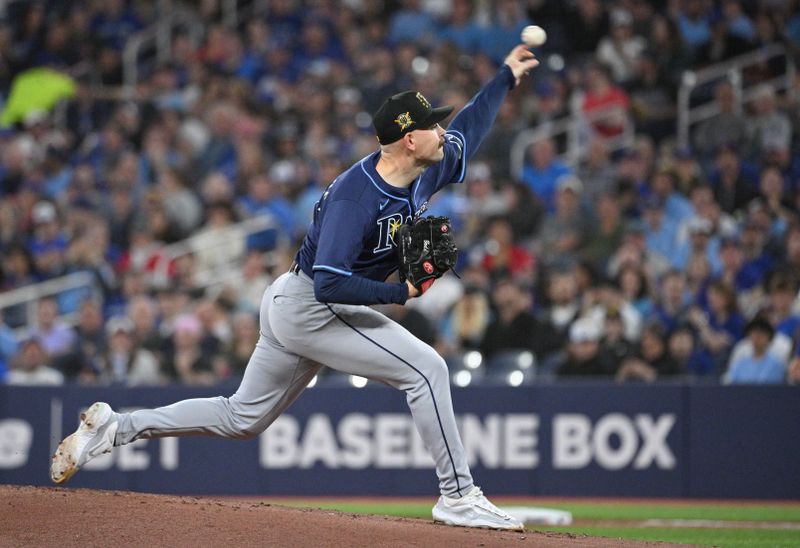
(650, 262)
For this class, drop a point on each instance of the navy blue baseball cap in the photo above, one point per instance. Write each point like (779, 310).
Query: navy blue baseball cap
(405, 112)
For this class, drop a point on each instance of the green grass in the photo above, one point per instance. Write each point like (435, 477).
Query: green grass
(727, 538)
(749, 512)
(626, 511)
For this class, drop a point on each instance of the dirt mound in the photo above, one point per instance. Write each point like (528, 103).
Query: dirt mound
(43, 516)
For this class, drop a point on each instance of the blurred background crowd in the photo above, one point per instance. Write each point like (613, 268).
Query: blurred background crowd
(649, 261)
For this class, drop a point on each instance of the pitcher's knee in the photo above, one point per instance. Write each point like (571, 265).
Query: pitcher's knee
(246, 434)
(435, 369)
(244, 424)
(246, 428)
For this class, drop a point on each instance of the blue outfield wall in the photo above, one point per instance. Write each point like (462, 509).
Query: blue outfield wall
(556, 439)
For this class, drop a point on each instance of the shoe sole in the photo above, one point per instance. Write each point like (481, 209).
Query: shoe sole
(65, 458)
(519, 529)
(446, 520)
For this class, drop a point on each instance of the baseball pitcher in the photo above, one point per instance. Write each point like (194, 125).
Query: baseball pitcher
(317, 314)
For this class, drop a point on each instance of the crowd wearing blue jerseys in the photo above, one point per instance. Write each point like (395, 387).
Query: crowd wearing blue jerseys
(657, 260)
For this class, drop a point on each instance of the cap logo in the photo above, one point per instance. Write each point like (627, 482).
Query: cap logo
(423, 100)
(404, 120)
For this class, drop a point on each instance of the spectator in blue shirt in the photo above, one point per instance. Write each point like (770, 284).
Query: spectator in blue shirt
(54, 335)
(318, 47)
(219, 152)
(412, 23)
(659, 231)
(461, 29)
(677, 207)
(719, 325)
(739, 24)
(543, 171)
(782, 291)
(58, 174)
(693, 23)
(792, 29)
(634, 286)
(731, 259)
(761, 367)
(328, 168)
(285, 19)
(262, 198)
(49, 242)
(690, 358)
(8, 348)
(673, 301)
(503, 34)
(699, 240)
(757, 261)
(115, 23)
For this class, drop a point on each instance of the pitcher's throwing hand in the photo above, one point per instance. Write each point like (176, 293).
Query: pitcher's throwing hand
(521, 61)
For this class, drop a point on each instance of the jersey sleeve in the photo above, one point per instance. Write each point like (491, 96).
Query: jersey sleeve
(470, 126)
(474, 121)
(453, 166)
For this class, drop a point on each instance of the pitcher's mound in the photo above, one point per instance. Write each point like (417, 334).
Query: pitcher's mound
(44, 516)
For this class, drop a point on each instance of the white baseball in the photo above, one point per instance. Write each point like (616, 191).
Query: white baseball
(533, 36)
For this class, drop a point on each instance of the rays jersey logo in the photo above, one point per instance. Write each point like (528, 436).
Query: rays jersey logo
(387, 228)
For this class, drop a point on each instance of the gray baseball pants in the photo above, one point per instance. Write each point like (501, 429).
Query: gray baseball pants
(298, 336)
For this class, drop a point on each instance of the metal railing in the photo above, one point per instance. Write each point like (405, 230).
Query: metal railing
(229, 238)
(578, 131)
(30, 295)
(576, 126)
(157, 40)
(219, 246)
(732, 69)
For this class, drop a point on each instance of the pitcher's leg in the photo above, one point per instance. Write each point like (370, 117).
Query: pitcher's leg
(273, 380)
(361, 341)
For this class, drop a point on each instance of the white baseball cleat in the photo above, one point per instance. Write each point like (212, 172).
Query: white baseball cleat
(94, 436)
(474, 510)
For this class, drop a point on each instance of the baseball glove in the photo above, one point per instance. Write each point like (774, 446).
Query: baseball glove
(426, 250)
